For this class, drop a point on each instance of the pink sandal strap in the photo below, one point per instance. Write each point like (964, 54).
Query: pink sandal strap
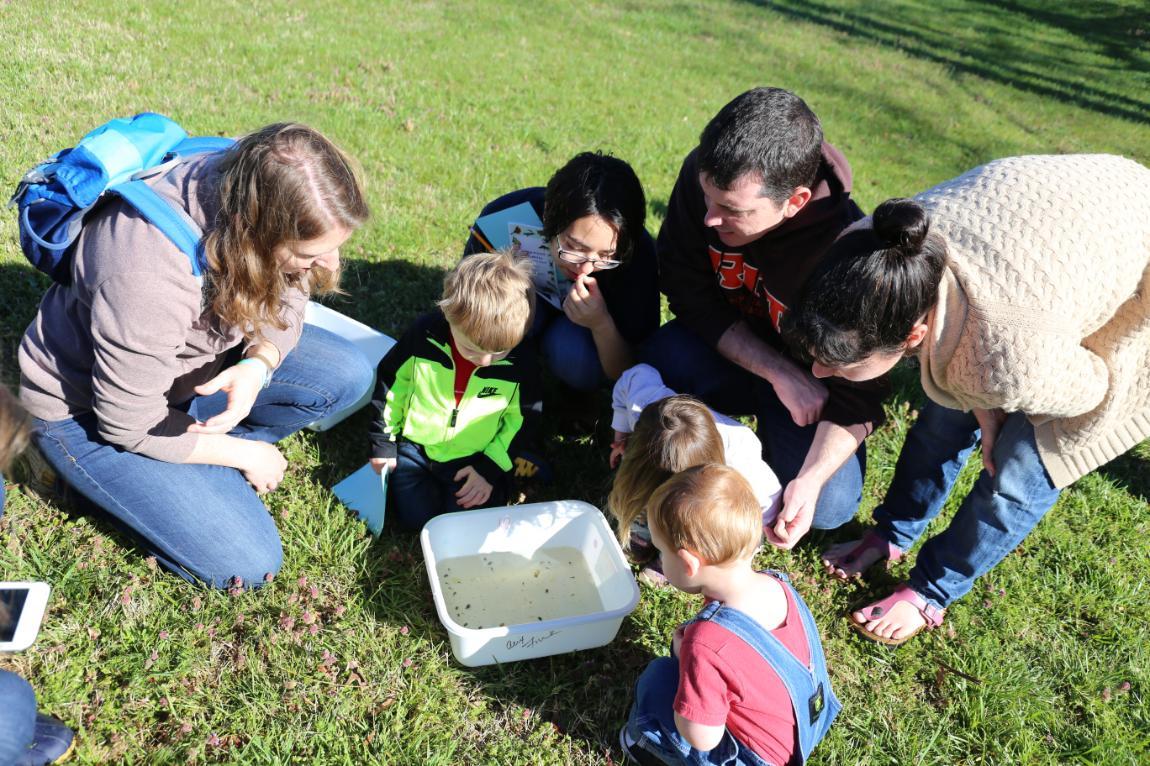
(871, 541)
(931, 613)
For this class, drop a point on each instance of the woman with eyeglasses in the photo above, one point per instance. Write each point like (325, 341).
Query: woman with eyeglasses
(598, 292)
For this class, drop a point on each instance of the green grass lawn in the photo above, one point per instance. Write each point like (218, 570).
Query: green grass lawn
(447, 105)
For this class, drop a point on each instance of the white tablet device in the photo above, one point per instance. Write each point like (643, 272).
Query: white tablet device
(22, 606)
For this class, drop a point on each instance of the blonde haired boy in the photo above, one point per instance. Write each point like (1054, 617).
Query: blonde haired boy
(453, 394)
(746, 682)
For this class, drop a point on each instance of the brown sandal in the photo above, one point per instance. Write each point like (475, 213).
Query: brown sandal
(930, 613)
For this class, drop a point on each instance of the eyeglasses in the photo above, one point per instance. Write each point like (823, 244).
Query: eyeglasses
(578, 259)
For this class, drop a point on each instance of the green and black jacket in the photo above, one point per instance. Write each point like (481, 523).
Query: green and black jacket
(415, 400)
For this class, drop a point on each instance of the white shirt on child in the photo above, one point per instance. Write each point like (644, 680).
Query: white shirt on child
(642, 384)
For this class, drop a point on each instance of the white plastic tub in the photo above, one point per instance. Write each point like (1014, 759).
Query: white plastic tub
(525, 530)
(372, 343)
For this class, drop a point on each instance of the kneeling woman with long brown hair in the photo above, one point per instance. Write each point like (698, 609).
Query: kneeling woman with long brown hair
(159, 398)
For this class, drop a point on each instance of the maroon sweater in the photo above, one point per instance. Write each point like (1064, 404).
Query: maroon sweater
(711, 286)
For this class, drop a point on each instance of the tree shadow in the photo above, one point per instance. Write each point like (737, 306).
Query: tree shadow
(1053, 51)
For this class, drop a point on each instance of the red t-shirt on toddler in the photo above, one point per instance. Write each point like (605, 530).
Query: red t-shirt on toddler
(723, 681)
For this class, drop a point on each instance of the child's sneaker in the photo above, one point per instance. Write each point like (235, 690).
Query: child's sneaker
(640, 550)
(530, 465)
(52, 742)
(634, 753)
(34, 474)
(652, 574)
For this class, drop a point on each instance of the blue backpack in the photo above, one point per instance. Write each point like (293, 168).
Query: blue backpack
(55, 197)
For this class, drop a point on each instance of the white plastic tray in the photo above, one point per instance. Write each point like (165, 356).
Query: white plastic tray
(524, 529)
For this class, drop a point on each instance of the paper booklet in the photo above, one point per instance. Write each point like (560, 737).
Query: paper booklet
(365, 492)
(519, 229)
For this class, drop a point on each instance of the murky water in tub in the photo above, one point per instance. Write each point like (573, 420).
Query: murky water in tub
(489, 590)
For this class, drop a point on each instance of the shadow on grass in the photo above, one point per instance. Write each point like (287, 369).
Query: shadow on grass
(1078, 53)
(387, 294)
(584, 694)
(1131, 471)
(21, 288)
(658, 209)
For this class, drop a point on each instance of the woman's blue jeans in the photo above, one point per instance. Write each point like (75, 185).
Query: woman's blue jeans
(690, 366)
(997, 514)
(652, 723)
(17, 716)
(568, 350)
(205, 522)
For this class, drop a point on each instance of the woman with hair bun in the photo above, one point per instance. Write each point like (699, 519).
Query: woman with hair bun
(1025, 297)
(158, 397)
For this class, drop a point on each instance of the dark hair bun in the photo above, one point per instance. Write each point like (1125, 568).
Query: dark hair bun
(901, 223)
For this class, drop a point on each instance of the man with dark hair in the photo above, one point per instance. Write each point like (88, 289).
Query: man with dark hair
(754, 209)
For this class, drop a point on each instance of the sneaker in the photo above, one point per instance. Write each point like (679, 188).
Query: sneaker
(52, 742)
(640, 550)
(36, 475)
(652, 574)
(529, 465)
(634, 753)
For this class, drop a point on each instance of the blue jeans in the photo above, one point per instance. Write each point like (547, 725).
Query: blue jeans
(205, 522)
(994, 517)
(420, 488)
(690, 366)
(652, 723)
(568, 349)
(17, 716)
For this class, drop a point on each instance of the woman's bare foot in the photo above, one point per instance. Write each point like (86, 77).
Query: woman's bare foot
(901, 622)
(848, 560)
(897, 618)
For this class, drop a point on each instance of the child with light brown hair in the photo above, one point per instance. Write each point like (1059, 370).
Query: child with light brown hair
(454, 393)
(659, 433)
(746, 682)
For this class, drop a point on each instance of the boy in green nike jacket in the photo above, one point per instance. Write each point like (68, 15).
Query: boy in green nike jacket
(455, 392)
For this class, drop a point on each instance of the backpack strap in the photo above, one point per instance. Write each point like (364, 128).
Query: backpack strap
(174, 223)
(201, 145)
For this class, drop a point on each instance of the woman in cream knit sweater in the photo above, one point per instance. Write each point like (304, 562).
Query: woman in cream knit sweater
(1023, 287)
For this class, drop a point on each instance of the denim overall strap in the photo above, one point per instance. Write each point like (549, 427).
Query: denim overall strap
(812, 700)
(707, 613)
(781, 576)
(818, 670)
